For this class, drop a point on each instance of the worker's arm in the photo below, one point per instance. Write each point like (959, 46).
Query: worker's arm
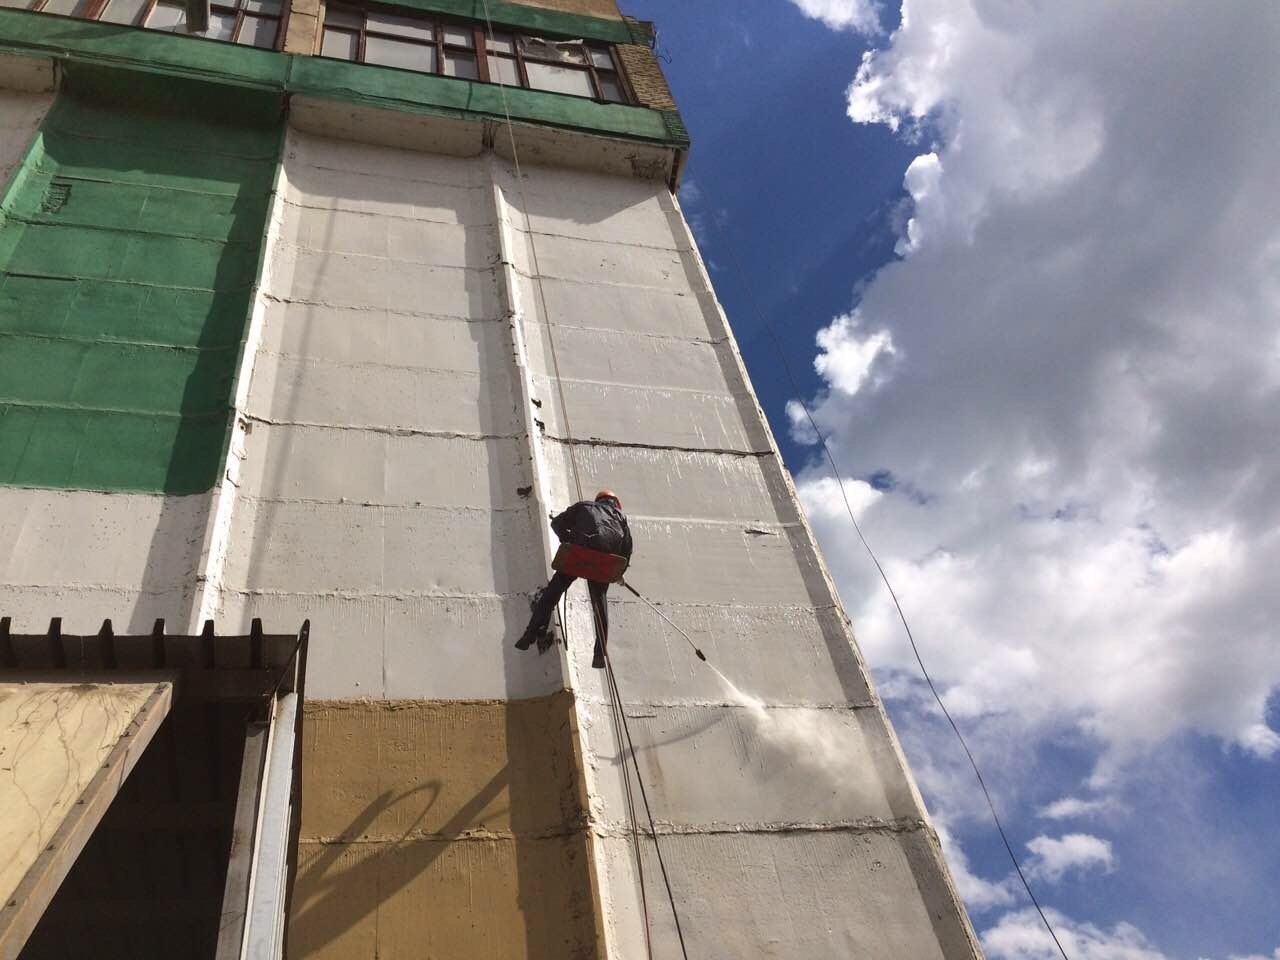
(563, 523)
(626, 539)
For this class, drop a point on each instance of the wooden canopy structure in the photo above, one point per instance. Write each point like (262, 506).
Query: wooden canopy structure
(150, 792)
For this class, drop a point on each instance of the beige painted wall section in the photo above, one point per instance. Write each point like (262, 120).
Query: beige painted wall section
(444, 829)
(54, 738)
(791, 825)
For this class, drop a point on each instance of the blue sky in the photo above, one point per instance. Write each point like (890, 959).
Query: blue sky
(1042, 267)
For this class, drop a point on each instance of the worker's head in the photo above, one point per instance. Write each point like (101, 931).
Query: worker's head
(608, 496)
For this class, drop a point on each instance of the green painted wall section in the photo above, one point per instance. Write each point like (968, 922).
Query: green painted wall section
(106, 44)
(129, 247)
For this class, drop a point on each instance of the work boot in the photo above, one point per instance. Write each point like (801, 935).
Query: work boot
(526, 640)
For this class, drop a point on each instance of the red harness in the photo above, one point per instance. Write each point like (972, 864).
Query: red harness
(594, 565)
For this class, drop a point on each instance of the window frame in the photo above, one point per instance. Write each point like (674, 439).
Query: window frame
(479, 50)
(94, 9)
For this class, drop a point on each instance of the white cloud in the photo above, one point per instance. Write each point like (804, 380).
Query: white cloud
(1257, 956)
(860, 15)
(1067, 808)
(1072, 375)
(1052, 859)
(979, 895)
(848, 358)
(1021, 936)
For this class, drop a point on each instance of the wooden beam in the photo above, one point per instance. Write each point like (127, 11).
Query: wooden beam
(31, 897)
(235, 898)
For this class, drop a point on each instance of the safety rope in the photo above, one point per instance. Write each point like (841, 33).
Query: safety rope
(799, 395)
(616, 708)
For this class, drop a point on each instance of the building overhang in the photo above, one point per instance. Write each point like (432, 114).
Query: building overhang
(399, 104)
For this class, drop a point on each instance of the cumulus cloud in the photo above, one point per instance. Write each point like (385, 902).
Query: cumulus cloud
(1067, 808)
(1052, 859)
(860, 15)
(1070, 377)
(1021, 936)
(979, 894)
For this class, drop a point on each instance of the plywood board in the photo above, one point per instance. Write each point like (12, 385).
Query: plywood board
(65, 749)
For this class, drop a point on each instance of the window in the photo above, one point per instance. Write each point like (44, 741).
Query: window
(253, 23)
(465, 50)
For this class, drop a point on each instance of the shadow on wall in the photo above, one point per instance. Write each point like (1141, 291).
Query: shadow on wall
(134, 247)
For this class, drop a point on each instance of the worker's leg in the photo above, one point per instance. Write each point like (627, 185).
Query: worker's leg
(543, 609)
(600, 604)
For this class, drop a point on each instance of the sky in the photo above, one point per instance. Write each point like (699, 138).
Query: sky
(1022, 259)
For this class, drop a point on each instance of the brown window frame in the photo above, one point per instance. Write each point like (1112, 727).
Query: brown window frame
(94, 10)
(479, 50)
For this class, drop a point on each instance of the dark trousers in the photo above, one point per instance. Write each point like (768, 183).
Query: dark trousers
(551, 595)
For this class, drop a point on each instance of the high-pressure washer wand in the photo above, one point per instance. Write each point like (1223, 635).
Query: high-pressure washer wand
(701, 656)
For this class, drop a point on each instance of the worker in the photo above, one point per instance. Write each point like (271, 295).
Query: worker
(596, 524)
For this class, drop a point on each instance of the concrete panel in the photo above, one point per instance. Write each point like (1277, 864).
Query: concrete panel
(684, 484)
(608, 356)
(458, 767)
(363, 466)
(525, 899)
(372, 170)
(24, 74)
(308, 547)
(606, 264)
(633, 218)
(74, 538)
(604, 307)
(442, 829)
(794, 895)
(381, 397)
(773, 765)
(641, 416)
(380, 234)
(319, 332)
(374, 283)
(83, 609)
(781, 654)
(20, 116)
(406, 647)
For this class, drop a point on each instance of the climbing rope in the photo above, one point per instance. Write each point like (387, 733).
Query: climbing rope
(617, 712)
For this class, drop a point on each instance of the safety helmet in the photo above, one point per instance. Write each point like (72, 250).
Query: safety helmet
(609, 495)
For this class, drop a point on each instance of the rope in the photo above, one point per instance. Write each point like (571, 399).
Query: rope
(915, 649)
(644, 796)
(616, 708)
(537, 268)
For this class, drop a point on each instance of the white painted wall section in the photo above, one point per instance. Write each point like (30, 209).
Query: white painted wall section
(790, 824)
(382, 481)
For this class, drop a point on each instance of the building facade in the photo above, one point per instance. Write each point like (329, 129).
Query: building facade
(321, 315)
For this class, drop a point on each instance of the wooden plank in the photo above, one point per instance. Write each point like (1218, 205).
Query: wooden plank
(75, 723)
(235, 898)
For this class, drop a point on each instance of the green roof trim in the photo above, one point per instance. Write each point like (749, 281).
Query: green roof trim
(445, 96)
(109, 45)
(519, 16)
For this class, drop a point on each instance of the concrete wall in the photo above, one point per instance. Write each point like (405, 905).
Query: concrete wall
(385, 493)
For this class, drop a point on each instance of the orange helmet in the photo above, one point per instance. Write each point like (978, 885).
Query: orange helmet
(609, 495)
